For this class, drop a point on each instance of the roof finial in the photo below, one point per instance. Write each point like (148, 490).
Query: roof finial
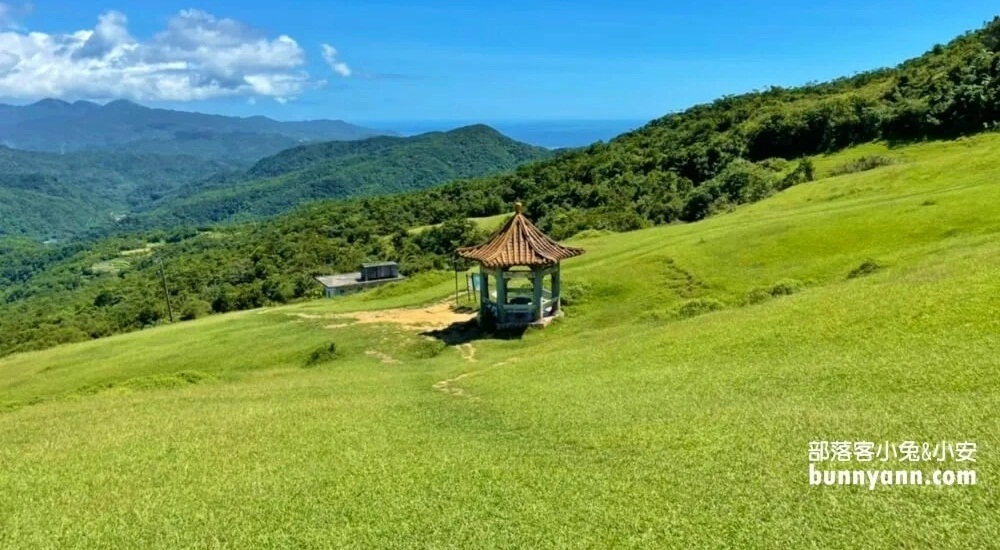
(518, 207)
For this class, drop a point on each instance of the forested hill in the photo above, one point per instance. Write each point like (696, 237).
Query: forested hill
(681, 167)
(55, 125)
(63, 195)
(342, 169)
(52, 195)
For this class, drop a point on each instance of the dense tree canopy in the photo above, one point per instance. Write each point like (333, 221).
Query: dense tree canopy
(343, 169)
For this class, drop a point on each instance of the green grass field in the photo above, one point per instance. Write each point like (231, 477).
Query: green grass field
(672, 407)
(487, 223)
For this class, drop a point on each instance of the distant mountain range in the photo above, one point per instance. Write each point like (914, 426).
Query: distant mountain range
(58, 126)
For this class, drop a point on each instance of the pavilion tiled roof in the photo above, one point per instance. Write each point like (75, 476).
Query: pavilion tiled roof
(519, 243)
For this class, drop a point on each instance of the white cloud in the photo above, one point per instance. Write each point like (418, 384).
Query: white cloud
(330, 56)
(111, 32)
(198, 56)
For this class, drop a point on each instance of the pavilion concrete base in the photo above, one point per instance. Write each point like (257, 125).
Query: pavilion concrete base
(543, 322)
(504, 306)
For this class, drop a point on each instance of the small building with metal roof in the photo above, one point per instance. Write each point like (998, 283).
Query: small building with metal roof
(369, 275)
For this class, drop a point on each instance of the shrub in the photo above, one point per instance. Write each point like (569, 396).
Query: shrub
(698, 306)
(757, 296)
(785, 287)
(195, 309)
(698, 204)
(867, 267)
(322, 354)
(869, 162)
(743, 182)
(804, 172)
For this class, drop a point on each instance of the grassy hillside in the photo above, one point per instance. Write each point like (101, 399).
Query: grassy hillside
(673, 406)
(337, 170)
(488, 224)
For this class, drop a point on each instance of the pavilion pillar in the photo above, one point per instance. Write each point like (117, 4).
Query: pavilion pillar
(484, 289)
(556, 291)
(536, 300)
(501, 295)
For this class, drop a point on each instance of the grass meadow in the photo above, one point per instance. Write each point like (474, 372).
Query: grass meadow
(672, 406)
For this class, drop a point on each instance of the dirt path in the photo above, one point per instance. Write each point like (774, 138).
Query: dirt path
(468, 352)
(447, 387)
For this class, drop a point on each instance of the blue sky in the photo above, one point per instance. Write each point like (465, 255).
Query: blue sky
(463, 61)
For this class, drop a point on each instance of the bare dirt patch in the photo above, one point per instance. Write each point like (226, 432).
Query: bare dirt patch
(436, 316)
(433, 317)
(312, 316)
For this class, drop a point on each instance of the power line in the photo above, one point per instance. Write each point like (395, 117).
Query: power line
(166, 293)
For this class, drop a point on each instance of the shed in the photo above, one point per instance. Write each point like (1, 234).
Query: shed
(369, 275)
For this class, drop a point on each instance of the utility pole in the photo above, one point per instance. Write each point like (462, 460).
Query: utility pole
(166, 294)
(454, 266)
